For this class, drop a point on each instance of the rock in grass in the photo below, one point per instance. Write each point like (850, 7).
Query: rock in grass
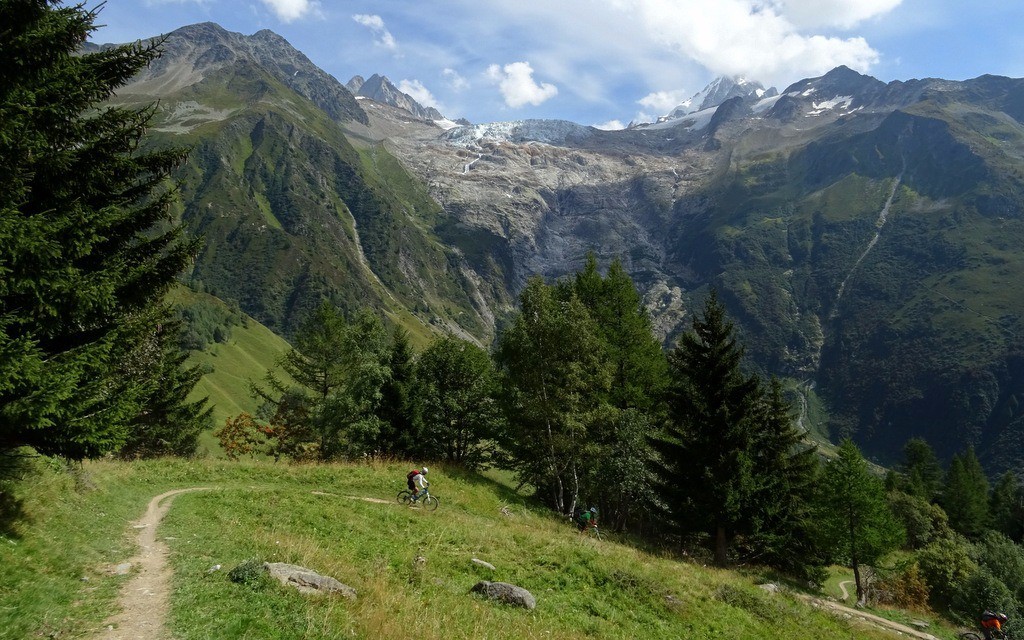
(306, 580)
(506, 593)
(484, 564)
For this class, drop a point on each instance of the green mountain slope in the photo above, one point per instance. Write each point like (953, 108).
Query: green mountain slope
(882, 261)
(291, 212)
(412, 569)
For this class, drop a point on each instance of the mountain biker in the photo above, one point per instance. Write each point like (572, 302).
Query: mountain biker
(587, 519)
(417, 477)
(992, 621)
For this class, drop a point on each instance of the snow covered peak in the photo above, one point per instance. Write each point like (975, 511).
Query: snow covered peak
(718, 91)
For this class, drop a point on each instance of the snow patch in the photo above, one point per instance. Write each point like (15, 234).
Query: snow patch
(839, 102)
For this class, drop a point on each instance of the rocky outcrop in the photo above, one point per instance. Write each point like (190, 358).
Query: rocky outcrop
(307, 580)
(506, 593)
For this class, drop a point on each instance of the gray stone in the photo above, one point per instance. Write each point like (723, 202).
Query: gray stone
(306, 580)
(506, 593)
(770, 587)
(484, 564)
(123, 569)
(919, 624)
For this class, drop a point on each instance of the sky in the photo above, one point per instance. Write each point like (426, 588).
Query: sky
(603, 62)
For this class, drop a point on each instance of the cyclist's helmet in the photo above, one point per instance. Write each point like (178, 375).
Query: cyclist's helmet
(593, 509)
(1002, 617)
(424, 472)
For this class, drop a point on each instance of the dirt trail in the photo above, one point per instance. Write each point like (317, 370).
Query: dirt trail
(868, 617)
(145, 599)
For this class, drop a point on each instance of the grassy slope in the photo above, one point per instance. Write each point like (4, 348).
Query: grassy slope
(584, 587)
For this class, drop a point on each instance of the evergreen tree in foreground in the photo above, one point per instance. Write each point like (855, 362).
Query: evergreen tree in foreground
(86, 251)
(707, 463)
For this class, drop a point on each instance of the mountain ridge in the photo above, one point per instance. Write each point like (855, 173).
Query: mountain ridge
(776, 201)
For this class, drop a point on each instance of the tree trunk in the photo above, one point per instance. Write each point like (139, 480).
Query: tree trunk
(862, 598)
(721, 547)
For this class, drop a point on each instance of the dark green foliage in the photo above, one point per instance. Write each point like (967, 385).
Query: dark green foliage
(921, 469)
(85, 251)
(207, 322)
(1004, 559)
(399, 406)
(781, 512)
(170, 424)
(854, 519)
(1006, 507)
(252, 574)
(706, 468)
(340, 367)
(965, 495)
(634, 400)
(555, 383)
(457, 396)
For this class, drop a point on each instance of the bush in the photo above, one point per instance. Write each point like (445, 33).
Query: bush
(252, 574)
(946, 565)
(905, 588)
(924, 522)
(982, 590)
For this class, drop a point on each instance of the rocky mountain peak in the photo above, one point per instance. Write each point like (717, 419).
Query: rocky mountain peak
(379, 89)
(195, 52)
(717, 92)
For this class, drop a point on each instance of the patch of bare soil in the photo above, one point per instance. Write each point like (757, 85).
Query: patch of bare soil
(145, 600)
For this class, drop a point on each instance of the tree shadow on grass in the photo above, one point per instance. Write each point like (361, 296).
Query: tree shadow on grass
(13, 466)
(504, 492)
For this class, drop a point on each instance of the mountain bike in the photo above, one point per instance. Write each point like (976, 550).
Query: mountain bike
(429, 502)
(976, 635)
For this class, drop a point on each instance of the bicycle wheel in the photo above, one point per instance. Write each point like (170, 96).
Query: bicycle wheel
(430, 503)
(970, 635)
(404, 496)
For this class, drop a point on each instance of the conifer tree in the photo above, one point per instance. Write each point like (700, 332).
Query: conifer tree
(398, 407)
(707, 459)
(639, 376)
(1006, 506)
(922, 471)
(854, 519)
(965, 495)
(86, 248)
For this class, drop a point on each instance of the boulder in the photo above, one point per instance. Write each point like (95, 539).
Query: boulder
(306, 580)
(506, 593)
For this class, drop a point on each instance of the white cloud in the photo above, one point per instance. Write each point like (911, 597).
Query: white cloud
(288, 10)
(516, 83)
(376, 25)
(844, 14)
(611, 125)
(455, 81)
(663, 101)
(419, 93)
(762, 39)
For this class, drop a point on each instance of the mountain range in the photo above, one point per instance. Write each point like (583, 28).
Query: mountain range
(865, 236)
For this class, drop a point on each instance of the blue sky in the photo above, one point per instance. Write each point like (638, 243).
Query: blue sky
(604, 62)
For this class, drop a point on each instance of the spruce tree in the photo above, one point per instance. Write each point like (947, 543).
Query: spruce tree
(922, 471)
(1006, 506)
(707, 460)
(965, 495)
(398, 407)
(86, 247)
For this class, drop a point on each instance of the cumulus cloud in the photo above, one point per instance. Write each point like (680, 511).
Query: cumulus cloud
(517, 85)
(419, 93)
(376, 25)
(663, 101)
(843, 14)
(455, 81)
(763, 39)
(288, 10)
